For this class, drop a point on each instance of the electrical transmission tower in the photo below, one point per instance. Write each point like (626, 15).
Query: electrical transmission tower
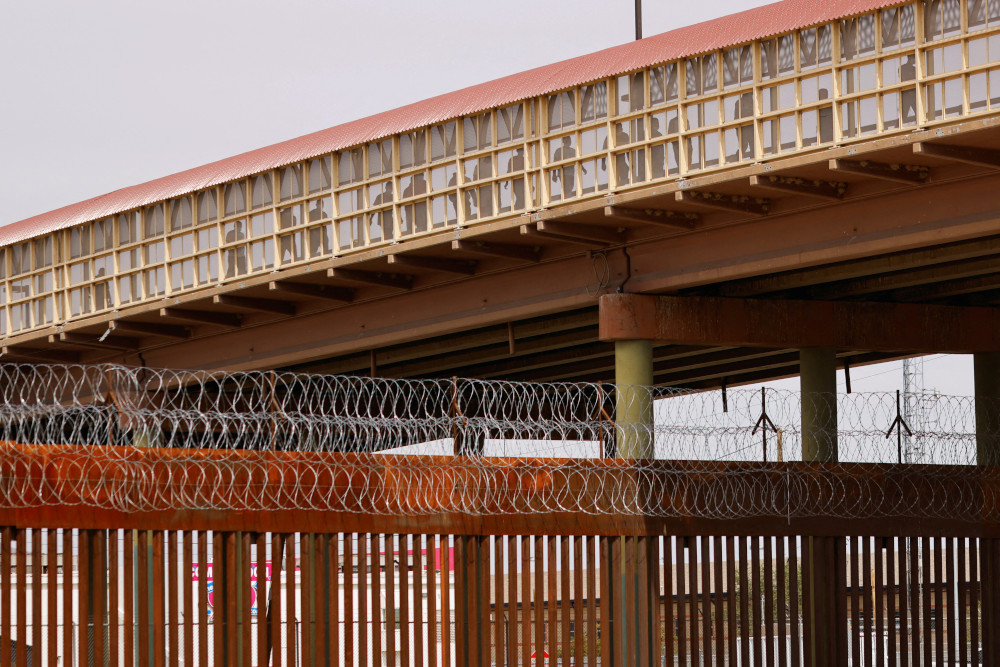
(914, 411)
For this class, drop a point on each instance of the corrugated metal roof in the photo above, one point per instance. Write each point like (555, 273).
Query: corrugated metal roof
(730, 30)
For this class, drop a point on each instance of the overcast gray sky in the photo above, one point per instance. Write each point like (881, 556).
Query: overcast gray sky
(104, 94)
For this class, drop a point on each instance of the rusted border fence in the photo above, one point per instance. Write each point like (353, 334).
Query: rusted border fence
(452, 590)
(751, 600)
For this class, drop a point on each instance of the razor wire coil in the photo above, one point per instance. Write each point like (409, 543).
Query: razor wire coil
(419, 447)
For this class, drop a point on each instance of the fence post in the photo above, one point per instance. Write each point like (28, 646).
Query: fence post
(97, 546)
(468, 440)
(610, 582)
(222, 602)
(990, 578)
(824, 591)
(468, 631)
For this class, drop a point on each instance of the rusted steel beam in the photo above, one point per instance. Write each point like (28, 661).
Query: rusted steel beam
(448, 265)
(84, 340)
(900, 173)
(651, 216)
(915, 284)
(202, 316)
(966, 289)
(395, 280)
(277, 306)
(150, 329)
(503, 250)
(95, 473)
(977, 155)
(574, 233)
(877, 327)
(312, 290)
(724, 202)
(38, 355)
(944, 258)
(800, 186)
(497, 359)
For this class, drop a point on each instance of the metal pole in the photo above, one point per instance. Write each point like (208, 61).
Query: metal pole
(899, 433)
(638, 19)
(763, 411)
(634, 405)
(634, 439)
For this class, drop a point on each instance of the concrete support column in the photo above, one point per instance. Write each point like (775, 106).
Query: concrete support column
(986, 367)
(634, 408)
(818, 377)
(627, 641)
(826, 624)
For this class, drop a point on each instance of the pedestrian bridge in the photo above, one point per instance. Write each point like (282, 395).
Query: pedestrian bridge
(733, 122)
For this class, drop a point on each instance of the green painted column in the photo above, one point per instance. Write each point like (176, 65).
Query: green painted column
(818, 386)
(818, 377)
(986, 368)
(634, 407)
(634, 440)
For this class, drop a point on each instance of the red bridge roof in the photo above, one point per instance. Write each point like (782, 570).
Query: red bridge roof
(739, 28)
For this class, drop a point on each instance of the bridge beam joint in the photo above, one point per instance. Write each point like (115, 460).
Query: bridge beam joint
(786, 323)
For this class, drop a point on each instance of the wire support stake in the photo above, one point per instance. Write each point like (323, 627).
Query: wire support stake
(764, 422)
(899, 424)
